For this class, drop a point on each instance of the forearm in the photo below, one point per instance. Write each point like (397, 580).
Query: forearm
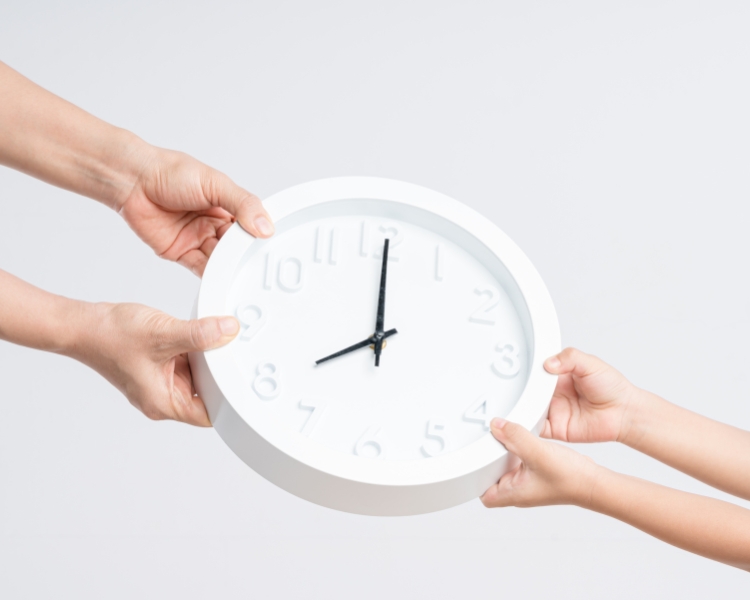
(713, 452)
(53, 140)
(705, 526)
(37, 319)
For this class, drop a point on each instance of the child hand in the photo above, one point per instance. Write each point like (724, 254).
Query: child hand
(592, 402)
(548, 474)
(143, 353)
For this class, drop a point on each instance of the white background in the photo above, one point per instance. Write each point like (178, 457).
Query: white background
(609, 140)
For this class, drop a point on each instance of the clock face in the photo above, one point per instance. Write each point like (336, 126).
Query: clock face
(459, 357)
(383, 326)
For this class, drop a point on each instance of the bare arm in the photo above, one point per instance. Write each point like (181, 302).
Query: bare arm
(706, 526)
(553, 474)
(141, 351)
(53, 140)
(176, 204)
(713, 452)
(35, 318)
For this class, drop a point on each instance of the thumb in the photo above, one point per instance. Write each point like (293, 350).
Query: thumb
(201, 334)
(573, 361)
(244, 206)
(519, 441)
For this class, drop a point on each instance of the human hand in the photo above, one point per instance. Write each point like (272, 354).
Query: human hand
(548, 474)
(143, 353)
(181, 207)
(592, 402)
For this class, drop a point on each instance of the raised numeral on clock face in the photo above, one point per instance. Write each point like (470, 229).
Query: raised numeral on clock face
(372, 245)
(508, 364)
(266, 383)
(251, 318)
(333, 245)
(316, 408)
(482, 314)
(435, 433)
(371, 444)
(477, 411)
(289, 273)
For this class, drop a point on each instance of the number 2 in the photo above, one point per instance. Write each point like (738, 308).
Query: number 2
(387, 231)
(481, 315)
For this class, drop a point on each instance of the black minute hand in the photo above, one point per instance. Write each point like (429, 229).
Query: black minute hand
(381, 306)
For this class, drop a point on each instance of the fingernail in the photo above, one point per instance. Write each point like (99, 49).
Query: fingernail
(552, 363)
(498, 423)
(229, 326)
(263, 225)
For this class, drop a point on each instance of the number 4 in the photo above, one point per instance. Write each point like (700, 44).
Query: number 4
(478, 411)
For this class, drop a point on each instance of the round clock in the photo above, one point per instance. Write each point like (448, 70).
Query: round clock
(383, 326)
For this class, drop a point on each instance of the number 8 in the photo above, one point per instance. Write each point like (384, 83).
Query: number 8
(267, 384)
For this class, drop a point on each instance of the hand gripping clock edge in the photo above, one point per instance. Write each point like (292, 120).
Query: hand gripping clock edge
(379, 336)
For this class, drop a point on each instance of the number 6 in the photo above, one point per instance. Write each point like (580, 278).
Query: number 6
(371, 443)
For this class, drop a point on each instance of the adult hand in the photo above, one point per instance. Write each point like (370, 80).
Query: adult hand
(181, 208)
(548, 473)
(143, 352)
(592, 402)
(176, 204)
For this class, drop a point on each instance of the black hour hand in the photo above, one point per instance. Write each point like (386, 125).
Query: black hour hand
(368, 342)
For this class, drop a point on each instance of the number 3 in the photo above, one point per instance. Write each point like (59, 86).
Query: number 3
(508, 365)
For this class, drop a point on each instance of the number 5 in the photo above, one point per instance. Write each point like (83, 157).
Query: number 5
(435, 431)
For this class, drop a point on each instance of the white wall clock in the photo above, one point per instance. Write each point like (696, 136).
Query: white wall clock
(399, 423)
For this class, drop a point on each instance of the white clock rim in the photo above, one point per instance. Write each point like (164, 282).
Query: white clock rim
(530, 411)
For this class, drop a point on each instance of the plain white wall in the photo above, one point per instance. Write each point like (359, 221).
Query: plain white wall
(609, 140)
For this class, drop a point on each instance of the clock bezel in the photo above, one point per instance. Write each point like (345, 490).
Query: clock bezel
(352, 483)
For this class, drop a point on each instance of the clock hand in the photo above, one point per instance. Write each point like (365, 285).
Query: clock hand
(370, 340)
(381, 305)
